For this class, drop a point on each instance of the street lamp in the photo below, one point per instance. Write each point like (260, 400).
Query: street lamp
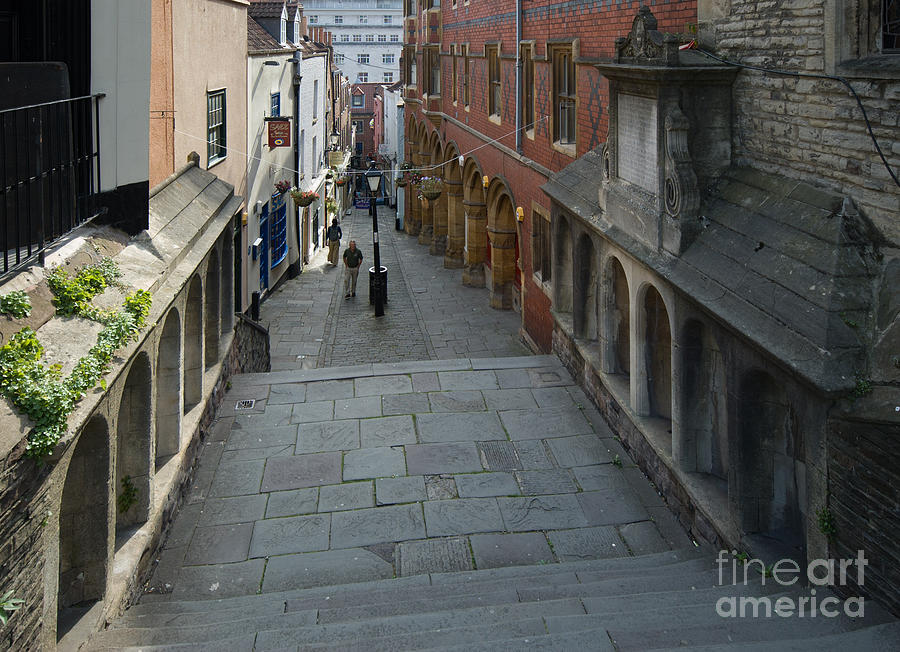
(335, 139)
(373, 178)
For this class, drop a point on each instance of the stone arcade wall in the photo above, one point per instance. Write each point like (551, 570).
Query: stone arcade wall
(63, 541)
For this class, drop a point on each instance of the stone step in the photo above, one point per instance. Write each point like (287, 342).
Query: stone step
(624, 585)
(286, 629)
(878, 638)
(595, 640)
(690, 625)
(214, 614)
(238, 644)
(463, 638)
(468, 581)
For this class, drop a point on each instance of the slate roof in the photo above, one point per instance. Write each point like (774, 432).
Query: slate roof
(258, 39)
(783, 263)
(266, 8)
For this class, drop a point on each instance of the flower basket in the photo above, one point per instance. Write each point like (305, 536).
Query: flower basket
(283, 186)
(303, 197)
(430, 187)
(431, 195)
(340, 181)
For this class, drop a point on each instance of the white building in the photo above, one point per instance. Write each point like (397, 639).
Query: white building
(368, 36)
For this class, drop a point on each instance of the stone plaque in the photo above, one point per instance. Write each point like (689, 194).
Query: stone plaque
(636, 145)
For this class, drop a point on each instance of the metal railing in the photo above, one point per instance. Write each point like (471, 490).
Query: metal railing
(49, 175)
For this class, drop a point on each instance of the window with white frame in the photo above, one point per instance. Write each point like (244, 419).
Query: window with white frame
(363, 77)
(395, 38)
(215, 127)
(338, 20)
(387, 20)
(345, 38)
(313, 20)
(388, 77)
(540, 246)
(564, 95)
(275, 105)
(387, 58)
(315, 106)
(283, 33)
(362, 58)
(358, 101)
(370, 38)
(363, 19)
(338, 58)
(357, 38)
(315, 156)
(382, 38)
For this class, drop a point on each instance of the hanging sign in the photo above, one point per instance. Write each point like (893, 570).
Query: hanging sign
(279, 133)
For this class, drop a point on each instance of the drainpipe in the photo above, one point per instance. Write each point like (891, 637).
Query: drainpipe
(297, 267)
(518, 76)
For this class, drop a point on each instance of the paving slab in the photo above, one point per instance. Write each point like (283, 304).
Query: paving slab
(278, 536)
(433, 556)
(578, 451)
(352, 495)
(237, 478)
(374, 463)
(508, 399)
(548, 481)
(404, 404)
(287, 393)
(239, 509)
(601, 477)
(441, 487)
(329, 390)
(305, 570)
(499, 550)
(357, 408)
(218, 580)
(425, 382)
(387, 431)
(499, 455)
(643, 538)
(382, 385)
(315, 411)
(542, 513)
(669, 527)
(272, 416)
(553, 397)
(299, 471)
(532, 455)
(219, 544)
(538, 424)
(513, 378)
(292, 503)
(462, 516)
(458, 426)
(363, 527)
(456, 401)
(244, 454)
(612, 507)
(261, 437)
(485, 379)
(389, 491)
(328, 436)
(429, 459)
(483, 485)
(587, 543)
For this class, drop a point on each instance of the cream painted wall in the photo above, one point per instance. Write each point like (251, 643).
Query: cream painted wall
(120, 67)
(210, 42)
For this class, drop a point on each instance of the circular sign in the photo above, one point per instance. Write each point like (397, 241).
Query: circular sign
(278, 142)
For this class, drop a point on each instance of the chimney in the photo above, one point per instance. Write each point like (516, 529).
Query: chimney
(303, 27)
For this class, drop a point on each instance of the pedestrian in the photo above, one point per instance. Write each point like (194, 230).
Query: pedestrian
(352, 260)
(333, 238)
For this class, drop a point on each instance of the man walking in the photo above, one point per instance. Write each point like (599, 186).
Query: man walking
(352, 260)
(334, 235)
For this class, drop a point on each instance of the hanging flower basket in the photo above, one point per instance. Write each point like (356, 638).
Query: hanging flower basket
(303, 197)
(340, 181)
(430, 187)
(283, 186)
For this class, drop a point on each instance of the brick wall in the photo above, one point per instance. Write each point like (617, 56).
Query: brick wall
(810, 129)
(595, 27)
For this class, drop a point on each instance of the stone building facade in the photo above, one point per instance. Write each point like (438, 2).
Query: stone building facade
(711, 249)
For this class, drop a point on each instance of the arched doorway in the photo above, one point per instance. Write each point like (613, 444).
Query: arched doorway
(438, 206)
(84, 526)
(211, 301)
(456, 215)
(133, 446)
(504, 248)
(193, 345)
(476, 225)
(168, 390)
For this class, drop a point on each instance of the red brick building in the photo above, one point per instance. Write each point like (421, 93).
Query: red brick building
(365, 110)
(497, 141)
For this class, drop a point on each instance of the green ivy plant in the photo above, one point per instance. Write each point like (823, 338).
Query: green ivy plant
(826, 522)
(129, 496)
(16, 304)
(41, 391)
(9, 605)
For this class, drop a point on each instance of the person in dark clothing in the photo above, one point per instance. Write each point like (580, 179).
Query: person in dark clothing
(333, 235)
(352, 260)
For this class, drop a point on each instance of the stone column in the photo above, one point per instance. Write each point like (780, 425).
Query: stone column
(426, 233)
(439, 241)
(476, 216)
(503, 267)
(456, 225)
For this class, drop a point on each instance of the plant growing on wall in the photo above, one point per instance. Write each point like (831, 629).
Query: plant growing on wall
(41, 391)
(129, 496)
(8, 606)
(16, 304)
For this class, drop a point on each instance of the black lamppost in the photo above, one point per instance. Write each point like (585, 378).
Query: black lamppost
(373, 178)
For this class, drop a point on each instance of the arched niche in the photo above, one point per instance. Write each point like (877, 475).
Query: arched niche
(168, 389)
(585, 289)
(211, 310)
(193, 344)
(562, 265)
(657, 354)
(133, 446)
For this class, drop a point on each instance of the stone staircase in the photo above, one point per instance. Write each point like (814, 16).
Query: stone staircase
(659, 601)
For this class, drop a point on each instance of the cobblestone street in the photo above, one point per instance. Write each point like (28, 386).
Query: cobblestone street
(429, 314)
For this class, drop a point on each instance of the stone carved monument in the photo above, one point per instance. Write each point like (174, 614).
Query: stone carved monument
(669, 136)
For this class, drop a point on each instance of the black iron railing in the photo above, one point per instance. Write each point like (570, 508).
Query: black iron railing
(49, 175)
